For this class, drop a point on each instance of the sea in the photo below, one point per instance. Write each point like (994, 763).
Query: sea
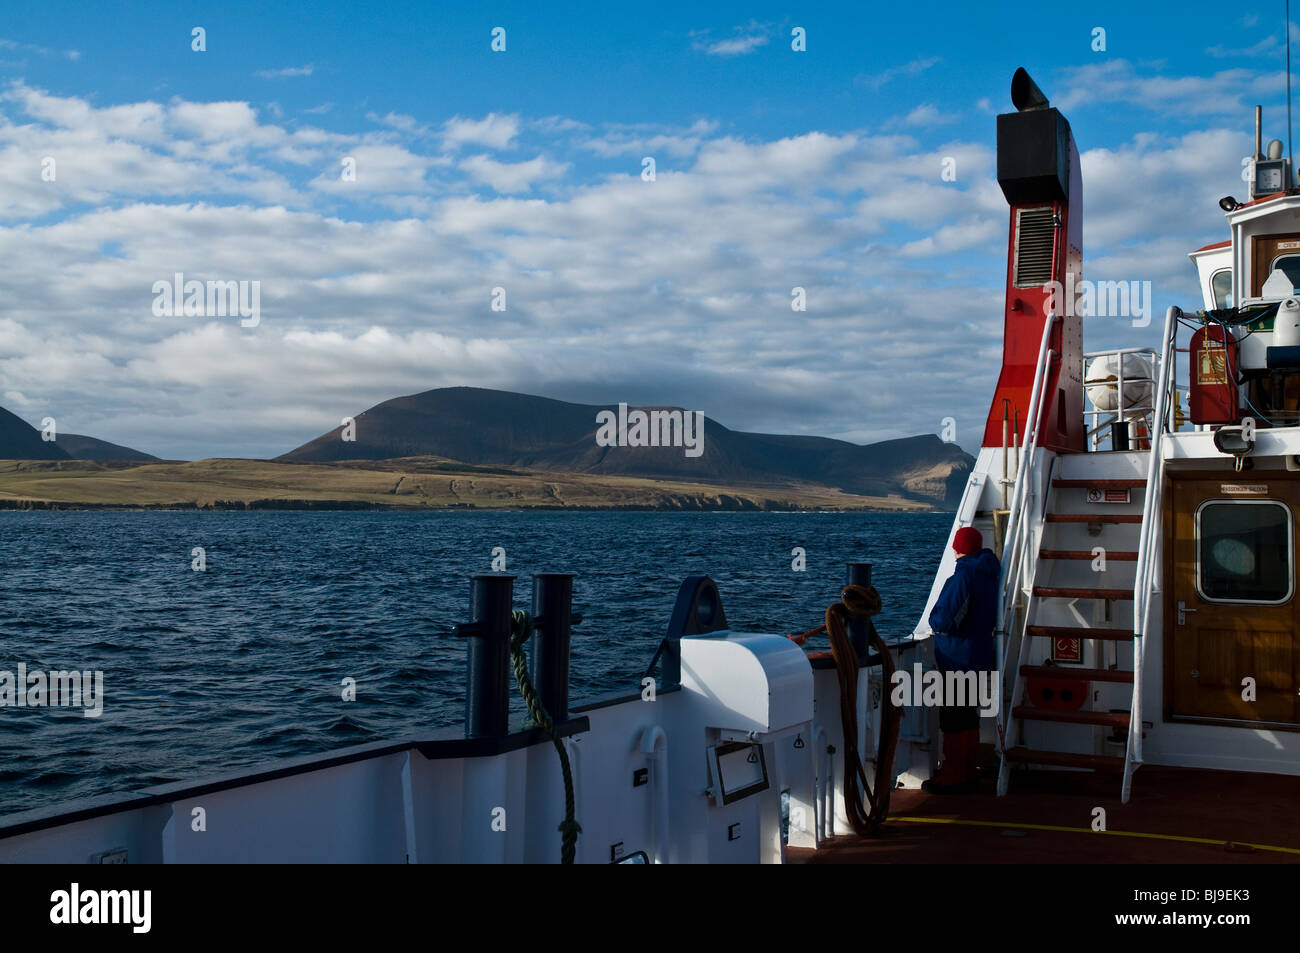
(226, 638)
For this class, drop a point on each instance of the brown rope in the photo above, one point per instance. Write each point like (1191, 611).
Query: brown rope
(857, 601)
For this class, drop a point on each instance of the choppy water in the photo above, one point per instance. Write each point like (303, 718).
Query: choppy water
(242, 664)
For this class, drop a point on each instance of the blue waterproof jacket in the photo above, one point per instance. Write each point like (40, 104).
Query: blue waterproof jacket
(965, 614)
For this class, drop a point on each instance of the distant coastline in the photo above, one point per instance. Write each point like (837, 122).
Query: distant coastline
(409, 484)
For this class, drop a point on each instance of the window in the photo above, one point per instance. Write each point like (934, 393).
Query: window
(1244, 551)
(1290, 265)
(1221, 288)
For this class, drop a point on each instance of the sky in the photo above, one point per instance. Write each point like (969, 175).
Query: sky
(522, 169)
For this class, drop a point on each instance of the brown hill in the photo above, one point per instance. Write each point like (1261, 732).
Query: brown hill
(478, 426)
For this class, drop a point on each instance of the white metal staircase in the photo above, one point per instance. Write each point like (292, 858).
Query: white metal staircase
(1078, 574)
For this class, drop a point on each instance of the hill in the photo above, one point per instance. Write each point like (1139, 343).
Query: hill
(488, 427)
(19, 440)
(80, 447)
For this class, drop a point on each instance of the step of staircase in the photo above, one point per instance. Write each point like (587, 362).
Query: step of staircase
(1086, 554)
(1070, 632)
(1064, 592)
(1093, 518)
(1066, 759)
(1109, 719)
(1099, 484)
(1086, 674)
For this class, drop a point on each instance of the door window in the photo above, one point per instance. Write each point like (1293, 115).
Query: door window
(1244, 551)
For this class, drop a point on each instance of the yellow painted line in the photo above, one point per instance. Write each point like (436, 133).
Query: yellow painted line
(1007, 825)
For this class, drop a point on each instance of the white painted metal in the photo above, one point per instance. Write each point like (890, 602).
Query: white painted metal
(1020, 537)
(1143, 584)
(654, 745)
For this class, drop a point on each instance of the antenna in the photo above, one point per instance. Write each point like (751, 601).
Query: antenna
(1290, 148)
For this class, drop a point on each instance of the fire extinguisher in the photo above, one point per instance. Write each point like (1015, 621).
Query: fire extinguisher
(1212, 394)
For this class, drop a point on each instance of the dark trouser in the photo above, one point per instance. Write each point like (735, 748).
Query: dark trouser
(955, 718)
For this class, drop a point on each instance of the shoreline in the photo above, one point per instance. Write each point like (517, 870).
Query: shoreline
(338, 506)
(424, 484)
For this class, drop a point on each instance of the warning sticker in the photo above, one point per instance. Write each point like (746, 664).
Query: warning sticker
(1244, 489)
(1283, 246)
(1067, 650)
(1099, 495)
(1212, 366)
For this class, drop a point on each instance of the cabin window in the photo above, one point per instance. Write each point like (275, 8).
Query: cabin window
(1221, 288)
(1244, 551)
(1290, 265)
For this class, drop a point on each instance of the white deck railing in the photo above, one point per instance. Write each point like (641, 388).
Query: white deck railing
(1145, 581)
(1098, 423)
(1019, 537)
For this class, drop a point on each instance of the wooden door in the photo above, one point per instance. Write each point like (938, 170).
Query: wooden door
(1231, 607)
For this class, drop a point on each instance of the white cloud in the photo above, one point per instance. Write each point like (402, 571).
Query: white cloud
(403, 123)
(1118, 81)
(642, 140)
(286, 72)
(494, 130)
(745, 39)
(511, 177)
(927, 115)
(913, 68)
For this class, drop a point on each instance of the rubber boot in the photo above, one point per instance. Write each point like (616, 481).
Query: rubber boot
(960, 748)
(953, 766)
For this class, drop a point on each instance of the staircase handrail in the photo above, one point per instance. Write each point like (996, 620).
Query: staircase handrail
(1147, 541)
(1018, 520)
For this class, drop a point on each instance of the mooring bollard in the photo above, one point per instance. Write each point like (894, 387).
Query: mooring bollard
(860, 627)
(487, 671)
(553, 619)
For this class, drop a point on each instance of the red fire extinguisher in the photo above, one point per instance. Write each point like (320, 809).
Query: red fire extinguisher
(1212, 395)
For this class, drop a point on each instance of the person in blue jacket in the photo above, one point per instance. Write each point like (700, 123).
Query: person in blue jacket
(962, 621)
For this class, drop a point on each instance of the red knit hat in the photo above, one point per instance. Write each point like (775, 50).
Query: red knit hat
(968, 540)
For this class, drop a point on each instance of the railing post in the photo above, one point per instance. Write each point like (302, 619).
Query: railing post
(487, 681)
(554, 619)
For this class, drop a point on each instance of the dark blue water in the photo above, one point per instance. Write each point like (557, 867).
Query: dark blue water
(242, 664)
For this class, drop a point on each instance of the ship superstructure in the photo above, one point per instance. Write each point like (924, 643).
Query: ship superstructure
(1148, 541)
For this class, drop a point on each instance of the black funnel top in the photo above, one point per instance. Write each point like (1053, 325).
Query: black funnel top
(1025, 93)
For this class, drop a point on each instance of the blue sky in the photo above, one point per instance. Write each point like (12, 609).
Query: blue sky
(476, 169)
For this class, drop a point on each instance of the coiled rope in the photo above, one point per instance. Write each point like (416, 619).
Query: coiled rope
(521, 630)
(867, 816)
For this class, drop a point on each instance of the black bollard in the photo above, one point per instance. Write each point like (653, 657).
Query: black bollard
(860, 627)
(487, 676)
(1119, 435)
(554, 619)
